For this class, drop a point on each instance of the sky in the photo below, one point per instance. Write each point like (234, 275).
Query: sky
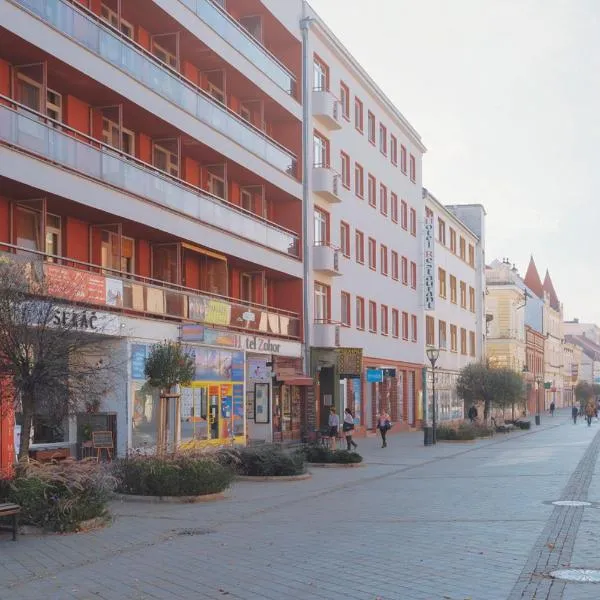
(506, 97)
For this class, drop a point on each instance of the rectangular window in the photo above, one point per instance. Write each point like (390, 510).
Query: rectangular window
(404, 214)
(358, 114)
(371, 127)
(321, 227)
(463, 341)
(428, 213)
(394, 207)
(382, 139)
(394, 265)
(430, 331)
(372, 254)
(462, 247)
(345, 169)
(441, 232)
(359, 240)
(320, 150)
(372, 316)
(403, 159)
(320, 75)
(345, 312)
(442, 335)
(345, 100)
(384, 320)
(395, 323)
(452, 240)
(413, 222)
(413, 328)
(322, 312)
(413, 275)
(453, 339)
(405, 270)
(383, 253)
(472, 348)
(471, 299)
(345, 238)
(442, 282)
(453, 289)
(471, 255)
(463, 294)
(383, 199)
(372, 191)
(413, 169)
(359, 181)
(404, 325)
(360, 313)
(393, 150)
(110, 16)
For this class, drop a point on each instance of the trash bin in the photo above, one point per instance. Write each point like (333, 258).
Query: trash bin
(428, 435)
(537, 419)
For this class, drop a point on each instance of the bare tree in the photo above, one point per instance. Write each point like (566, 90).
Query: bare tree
(50, 364)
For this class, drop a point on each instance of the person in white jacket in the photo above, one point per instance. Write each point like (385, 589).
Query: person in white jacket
(348, 428)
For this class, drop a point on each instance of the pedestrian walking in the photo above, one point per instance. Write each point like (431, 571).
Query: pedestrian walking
(348, 428)
(472, 414)
(589, 413)
(574, 414)
(384, 424)
(334, 426)
(552, 408)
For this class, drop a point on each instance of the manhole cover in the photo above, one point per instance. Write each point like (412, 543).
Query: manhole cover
(192, 531)
(577, 575)
(571, 503)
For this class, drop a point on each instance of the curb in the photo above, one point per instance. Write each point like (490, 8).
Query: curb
(171, 499)
(336, 465)
(274, 477)
(84, 527)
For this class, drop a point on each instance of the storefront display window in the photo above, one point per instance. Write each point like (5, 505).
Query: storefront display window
(144, 416)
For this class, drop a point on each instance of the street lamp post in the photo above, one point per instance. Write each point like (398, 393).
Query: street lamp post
(537, 416)
(433, 354)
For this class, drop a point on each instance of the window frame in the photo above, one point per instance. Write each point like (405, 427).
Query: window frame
(345, 100)
(395, 265)
(404, 215)
(413, 222)
(359, 115)
(413, 169)
(372, 252)
(360, 313)
(413, 274)
(404, 325)
(372, 316)
(383, 259)
(453, 289)
(472, 344)
(345, 169)
(404, 270)
(372, 190)
(414, 327)
(453, 338)
(471, 299)
(442, 339)
(442, 283)
(345, 301)
(359, 236)
(359, 180)
(394, 207)
(383, 199)
(325, 220)
(394, 150)
(383, 141)
(463, 342)
(345, 238)
(429, 331)
(326, 149)
(371, 123)
(325, 293)
(463, 294)
(441, 231)
(318, 61)
(395, 323)
(384, 319)
(403, 158)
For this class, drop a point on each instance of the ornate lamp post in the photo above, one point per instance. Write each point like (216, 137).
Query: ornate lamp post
(433, 354)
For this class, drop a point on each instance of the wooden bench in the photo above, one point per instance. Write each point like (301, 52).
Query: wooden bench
(503, 427)
(11, 510)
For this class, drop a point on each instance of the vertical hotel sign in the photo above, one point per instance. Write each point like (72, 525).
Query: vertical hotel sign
(428, 266)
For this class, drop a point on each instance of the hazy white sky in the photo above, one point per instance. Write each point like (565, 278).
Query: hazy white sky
(506, 96)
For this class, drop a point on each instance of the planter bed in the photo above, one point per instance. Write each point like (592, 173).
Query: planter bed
(336, 465)
(301, 477)
(171, 499)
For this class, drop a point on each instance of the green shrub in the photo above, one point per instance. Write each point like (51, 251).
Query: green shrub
(445, 432)
(60, 496)
(321, 454)
(263, 461)
(179, 474)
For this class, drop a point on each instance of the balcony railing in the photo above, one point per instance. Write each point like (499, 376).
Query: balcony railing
(233, 33)
(106, 288)
(55, 142)
(142, 66)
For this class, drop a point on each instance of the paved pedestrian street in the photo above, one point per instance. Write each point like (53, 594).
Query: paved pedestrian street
(451, 522)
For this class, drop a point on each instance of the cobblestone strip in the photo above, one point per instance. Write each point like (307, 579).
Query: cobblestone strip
(554, 547)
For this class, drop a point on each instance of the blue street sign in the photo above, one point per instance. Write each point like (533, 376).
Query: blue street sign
(374, 375)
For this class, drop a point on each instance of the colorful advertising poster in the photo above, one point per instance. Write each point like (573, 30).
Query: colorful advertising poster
(138, 360)
(238, 400)
(218, 365)
(356, 391)
(114, 292)
(209, 310)
(237, 366)
(75, 284)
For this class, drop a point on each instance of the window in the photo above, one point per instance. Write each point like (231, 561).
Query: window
(371, 127)
(453, 289)
(413, 275)
(164, 55)
(53, 105)
(345, 297)
(320, 75)
(472, 348)
(358, 114)
(413, 328)
(413, 222)
(322, 313)
(345, 170)
(413, 169)
(382, 139)
(110, 16)
(54, 237)
(430, 331)
(463, 294)
(109, 252)
(428, 213)
(359, 240)
(372, 254)
(383, 253)
(463, 341)
(110, 135)
(320, 150)
(216, 185)
(394, 207)
(253, 25)
(394, 265)
(462, 247)
(405, 270)
(166, 160)
(403, 159)
(321, 225)
(404, 325)
(471, 255)
(452, 240)
(471, 299)
(404, 214)
(360, 312)
(372, 191)
(441, 232)
(442, 282)
(372, 316)
(393, 150)
(345, 238)
(453, 339)
(384, 320)
(395, 323)
(383, 199)
(359, 181)
(442, 335)
(345, 100)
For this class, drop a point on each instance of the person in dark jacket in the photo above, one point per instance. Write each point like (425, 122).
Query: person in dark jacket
(472, 414)
(574, 414)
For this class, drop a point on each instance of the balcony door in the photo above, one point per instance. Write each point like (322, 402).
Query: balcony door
(166, 154)
(321, 299)
(253, 287)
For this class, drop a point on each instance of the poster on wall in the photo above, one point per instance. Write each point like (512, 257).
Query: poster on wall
(356, 391)
(258, 370)
(218, 365)
(261, 403)
(138, 360)
(114, 292)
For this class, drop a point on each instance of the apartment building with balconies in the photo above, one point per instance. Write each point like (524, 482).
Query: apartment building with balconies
(367, 215)
(151, 152)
